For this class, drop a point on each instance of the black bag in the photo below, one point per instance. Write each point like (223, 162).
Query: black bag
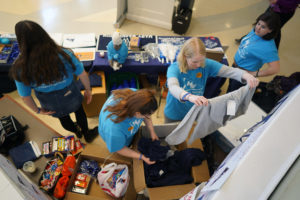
(181, 21)
(11, 133)
(281, 85)
(268, 94)
(264, 98)
(182, 16)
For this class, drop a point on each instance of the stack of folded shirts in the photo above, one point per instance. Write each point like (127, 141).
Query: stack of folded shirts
(28, 151)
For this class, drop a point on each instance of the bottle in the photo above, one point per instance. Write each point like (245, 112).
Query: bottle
(126, 84)
(113, 87)
(133, 83)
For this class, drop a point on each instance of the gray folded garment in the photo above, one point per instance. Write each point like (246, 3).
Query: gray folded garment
(210, 118)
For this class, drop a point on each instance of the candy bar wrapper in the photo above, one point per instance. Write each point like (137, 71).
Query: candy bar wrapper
(61, 144)
(54, 144)
(46, 148)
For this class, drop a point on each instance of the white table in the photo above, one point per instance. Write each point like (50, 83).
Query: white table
(235, 128)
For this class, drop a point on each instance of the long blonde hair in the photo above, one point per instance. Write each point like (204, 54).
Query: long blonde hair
(188, 50)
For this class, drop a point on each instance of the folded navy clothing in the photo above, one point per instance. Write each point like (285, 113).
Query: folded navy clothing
(23, 153)
(95, 81)
(152, 149)
(185, 159)
(175, 170)
(157, 175)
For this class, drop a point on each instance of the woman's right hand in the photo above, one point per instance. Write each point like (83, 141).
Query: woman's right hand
(147, 160)
(46, 112)
(88, 96)
(198, 100)
(251, 80)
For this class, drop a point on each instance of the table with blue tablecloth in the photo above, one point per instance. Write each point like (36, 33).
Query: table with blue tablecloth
(154, 66)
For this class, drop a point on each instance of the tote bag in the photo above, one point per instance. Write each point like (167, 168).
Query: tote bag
(114, 179)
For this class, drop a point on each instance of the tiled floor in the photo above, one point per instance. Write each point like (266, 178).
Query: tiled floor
(224, 19)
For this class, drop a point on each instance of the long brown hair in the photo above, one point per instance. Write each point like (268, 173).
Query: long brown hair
(129, 102)
(39, 61)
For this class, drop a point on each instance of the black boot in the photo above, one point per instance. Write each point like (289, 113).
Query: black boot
(238, 41)
(78, 131)
(91, 135)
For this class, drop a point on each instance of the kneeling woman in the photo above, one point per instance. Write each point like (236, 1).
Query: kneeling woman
(122, 115)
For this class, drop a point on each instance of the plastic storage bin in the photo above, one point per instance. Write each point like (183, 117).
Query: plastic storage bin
(120, 80)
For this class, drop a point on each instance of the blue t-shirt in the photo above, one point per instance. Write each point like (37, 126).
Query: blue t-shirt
(254, 52)
(119, 55)
(116, 135)
(193, 81)
(25, 90)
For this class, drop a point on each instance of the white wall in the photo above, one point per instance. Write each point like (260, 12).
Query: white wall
(263, 166)
(154, 12)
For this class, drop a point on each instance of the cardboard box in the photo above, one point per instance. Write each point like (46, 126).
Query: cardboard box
(134, 43)
(99, 154)
(200, 173)
(99, 97)
(215, 54)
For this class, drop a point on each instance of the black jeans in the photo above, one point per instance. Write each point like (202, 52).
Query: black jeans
(234, 84)
(81, 119)
(284, 18)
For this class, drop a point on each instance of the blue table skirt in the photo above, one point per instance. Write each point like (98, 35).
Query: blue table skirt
(213, 85)
(153, 66)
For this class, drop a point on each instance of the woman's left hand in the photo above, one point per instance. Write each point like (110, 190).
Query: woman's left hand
(251, 80)
(154, 137)
(88, 96)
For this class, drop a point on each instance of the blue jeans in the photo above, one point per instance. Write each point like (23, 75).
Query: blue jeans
(63, 102)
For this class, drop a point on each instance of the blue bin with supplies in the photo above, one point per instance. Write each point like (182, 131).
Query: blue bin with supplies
(120, 80)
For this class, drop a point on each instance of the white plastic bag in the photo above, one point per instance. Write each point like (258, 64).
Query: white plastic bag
(114, 179)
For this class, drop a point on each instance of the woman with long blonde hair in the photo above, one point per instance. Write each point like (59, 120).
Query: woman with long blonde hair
(186, 79)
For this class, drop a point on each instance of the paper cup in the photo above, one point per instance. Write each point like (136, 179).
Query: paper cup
(29, 166)
(101, 53)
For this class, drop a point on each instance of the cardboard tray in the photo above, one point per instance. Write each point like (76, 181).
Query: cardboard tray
(99, 154)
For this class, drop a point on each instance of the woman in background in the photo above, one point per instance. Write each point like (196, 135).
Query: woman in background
(258, 48)
(117, 51)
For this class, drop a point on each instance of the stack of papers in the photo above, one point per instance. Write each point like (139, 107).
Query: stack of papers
(83, 45)
(85, 54)
(79, 40)
(57, 37)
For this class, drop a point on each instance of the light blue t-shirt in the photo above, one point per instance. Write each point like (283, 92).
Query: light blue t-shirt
(117, 135)
(25, 90)
(254, 52)
(193, 81)
(119, 55)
